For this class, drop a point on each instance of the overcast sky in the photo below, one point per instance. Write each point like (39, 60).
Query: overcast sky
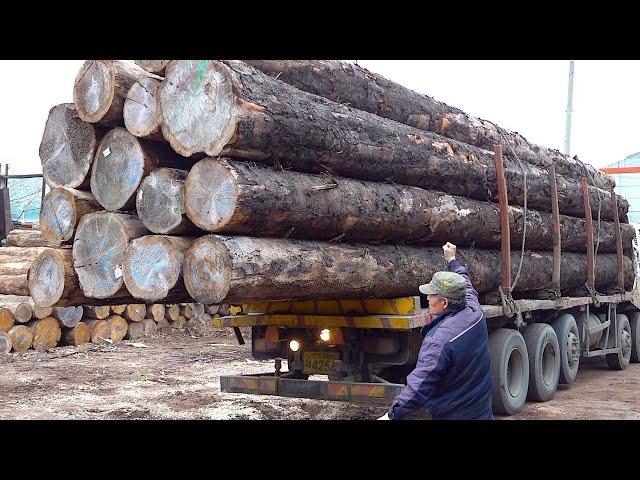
(529, 97)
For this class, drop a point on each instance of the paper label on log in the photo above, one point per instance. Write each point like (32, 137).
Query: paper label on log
(118, 271)
(106, 152)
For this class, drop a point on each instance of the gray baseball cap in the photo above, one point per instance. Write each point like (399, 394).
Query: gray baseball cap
(446, 284)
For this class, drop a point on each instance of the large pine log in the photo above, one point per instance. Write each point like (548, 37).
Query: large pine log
(46, 333)
(62, 209)
(259, 118)
(54, 282)
(152, 267)
(98, 251)
(227, 196)
(153, 66)
(67, 148)
(347, 83)
(142, 115)
(122, 162)
(21, 338)
(26, 238)
(246, 269)
(101, 87)
(160, 202)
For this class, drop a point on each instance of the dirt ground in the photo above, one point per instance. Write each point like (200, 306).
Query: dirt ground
(175, 375)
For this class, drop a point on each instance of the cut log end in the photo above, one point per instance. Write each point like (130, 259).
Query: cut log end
(5, 342)
(68, 316)
(160, 201)
(46, 278)
(99, 312)
(150, 327)
(67, 148)
(118, 328)
(118, 169)
(7, 320)
(58, 216)
(207, 270)
(135, 312)
(210, 122)
(118, 309)
(135, 330)
(212, 194)
(173, 312)
(94, 89)
(21, 338)
(78, 335)
(46, 333)
(151, 267)
(23, 312)
(42, 312)
(98, 253)
(153, 66)
(142, 115)
(158, 311)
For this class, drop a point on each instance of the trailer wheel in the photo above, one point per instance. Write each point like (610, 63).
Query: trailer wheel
(620, 360)
(544, 361)
(510, 369)
(634, 322)
(566, 330)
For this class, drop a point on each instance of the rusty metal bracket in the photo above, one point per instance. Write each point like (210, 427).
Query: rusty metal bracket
(590, 249)
(619, 253)
(557, 240)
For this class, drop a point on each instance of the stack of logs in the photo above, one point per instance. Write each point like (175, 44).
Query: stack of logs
(214, 181)
(24, 325)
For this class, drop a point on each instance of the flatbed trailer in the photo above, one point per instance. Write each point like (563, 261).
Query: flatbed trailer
(369, 346)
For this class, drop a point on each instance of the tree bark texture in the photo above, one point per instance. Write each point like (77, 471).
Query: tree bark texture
(98, 251)
(228, 196)
(142, 115)
(259, 118)
(62, 209)
(122, 162)
(153, 66)
(160, 203)
(67, 148)
(152, 267)
(17, 260)
(21, 338)
(46, 333)
(14, 285)
(101, 87)
(246, 269)
(26, 238)
(78, 335)
(348, 83)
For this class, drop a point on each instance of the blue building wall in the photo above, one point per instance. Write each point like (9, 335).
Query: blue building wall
(628, 185)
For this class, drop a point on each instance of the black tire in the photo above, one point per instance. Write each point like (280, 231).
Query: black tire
(544, 361)
(510, 369)
(634, 322)
(566, 330)
(620, 360)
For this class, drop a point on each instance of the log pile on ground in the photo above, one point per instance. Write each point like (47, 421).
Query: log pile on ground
(213, 181)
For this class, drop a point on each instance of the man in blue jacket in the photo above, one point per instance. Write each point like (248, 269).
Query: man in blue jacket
(452, 378)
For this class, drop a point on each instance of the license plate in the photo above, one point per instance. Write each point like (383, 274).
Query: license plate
(318, 362)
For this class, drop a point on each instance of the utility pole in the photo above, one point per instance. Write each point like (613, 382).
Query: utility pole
(567, 132)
